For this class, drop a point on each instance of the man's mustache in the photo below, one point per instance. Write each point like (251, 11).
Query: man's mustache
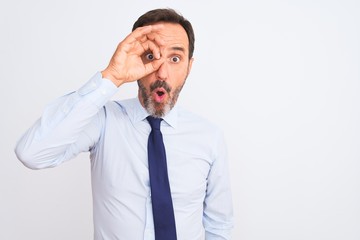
(160, 84)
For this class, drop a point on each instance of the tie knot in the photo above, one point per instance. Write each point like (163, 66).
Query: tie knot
(154, 122)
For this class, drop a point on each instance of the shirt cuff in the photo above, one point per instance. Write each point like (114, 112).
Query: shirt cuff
(98, 89)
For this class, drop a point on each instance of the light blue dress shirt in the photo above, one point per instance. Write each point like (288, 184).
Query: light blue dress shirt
(116, 134)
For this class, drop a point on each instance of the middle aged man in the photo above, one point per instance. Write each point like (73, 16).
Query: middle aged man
(129, 184)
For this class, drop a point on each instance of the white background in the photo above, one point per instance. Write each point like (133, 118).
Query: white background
(280, 77)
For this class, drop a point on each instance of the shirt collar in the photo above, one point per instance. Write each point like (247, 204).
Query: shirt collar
(137, 113)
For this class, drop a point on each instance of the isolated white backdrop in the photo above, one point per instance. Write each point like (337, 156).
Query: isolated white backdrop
(280, 77)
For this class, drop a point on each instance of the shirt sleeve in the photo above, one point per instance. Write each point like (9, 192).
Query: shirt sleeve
(218, 209)
(69, 125)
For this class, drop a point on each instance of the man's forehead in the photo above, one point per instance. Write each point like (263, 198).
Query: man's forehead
(174, 36)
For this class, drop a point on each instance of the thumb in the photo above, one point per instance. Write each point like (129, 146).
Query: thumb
(153, 66)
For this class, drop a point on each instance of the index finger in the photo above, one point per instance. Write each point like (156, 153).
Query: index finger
(144, 33)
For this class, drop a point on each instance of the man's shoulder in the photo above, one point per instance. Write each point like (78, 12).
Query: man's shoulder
(116, 105)
(197, 120)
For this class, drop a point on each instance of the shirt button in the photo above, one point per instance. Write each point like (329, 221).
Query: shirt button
(103, 92)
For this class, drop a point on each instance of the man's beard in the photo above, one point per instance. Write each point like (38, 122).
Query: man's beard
(156, 109)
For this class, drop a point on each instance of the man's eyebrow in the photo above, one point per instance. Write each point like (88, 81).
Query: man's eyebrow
(178, 49)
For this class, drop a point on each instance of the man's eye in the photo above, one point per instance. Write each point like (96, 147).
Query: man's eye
(175, 59)
(149, 56)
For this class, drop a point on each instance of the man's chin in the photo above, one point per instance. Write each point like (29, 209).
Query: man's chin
(161, 112)
(158, 109)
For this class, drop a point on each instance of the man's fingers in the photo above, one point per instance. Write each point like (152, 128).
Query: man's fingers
(129, 54)
(151, 47)
(155, 38)
(153, 66)
(142, 34)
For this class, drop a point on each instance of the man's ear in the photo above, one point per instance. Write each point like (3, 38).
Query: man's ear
(190, 65)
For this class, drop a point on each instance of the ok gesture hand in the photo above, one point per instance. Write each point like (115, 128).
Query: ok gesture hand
(127, 65)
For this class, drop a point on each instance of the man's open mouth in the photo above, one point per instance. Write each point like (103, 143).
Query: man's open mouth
(160, 93)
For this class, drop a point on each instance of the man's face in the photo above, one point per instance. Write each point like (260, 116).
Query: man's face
(158, 91)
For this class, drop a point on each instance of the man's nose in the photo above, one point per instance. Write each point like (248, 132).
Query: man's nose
(163, 72)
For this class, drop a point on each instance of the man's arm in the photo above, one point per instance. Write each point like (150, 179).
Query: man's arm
(65, 128)
(218, 209)
(68, 126)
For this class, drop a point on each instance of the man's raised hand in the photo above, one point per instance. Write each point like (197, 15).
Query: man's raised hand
(127, 63)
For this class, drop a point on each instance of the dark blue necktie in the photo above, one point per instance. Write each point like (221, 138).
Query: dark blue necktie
(163, 212)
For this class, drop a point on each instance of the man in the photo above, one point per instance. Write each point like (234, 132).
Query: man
(158, 55)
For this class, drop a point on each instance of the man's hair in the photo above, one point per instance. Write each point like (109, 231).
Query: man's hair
(170, 16)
